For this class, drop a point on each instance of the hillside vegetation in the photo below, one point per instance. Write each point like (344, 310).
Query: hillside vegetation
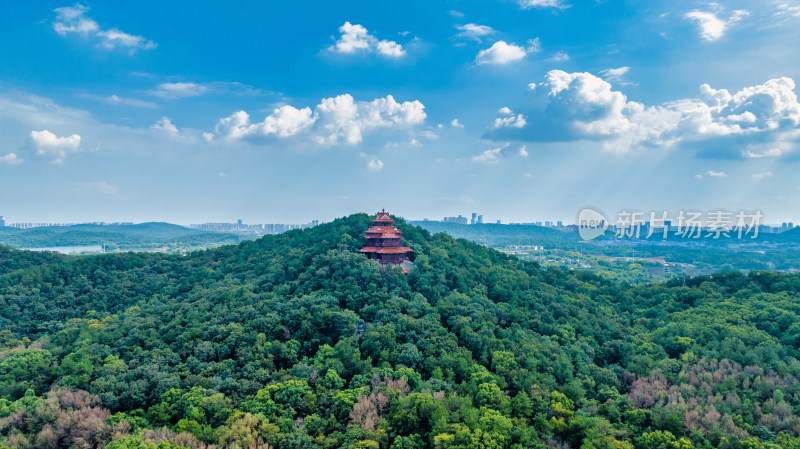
(298, 341)
(138, 236)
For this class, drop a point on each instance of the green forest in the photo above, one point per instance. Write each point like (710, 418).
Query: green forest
(769, 251)
(117, 237)
(297, 341)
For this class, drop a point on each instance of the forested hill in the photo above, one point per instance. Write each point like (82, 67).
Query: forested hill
(298, 341)
(138, 236)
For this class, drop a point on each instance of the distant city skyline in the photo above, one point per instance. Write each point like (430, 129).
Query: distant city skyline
(154, 111)
(241, 226)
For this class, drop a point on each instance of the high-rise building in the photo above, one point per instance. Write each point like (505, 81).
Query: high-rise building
(2, 221)
(480, 219)
(473, 220)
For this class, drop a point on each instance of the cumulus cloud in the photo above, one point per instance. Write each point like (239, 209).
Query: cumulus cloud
(473, 31)
(507, 119)
(501, 52)
(456, 124)
(528, 4)
(72, 20)
(495, 155)
(11, 159)
(373, 163)
(334, 120)
(355, 39)
(165, 125)
(47, 144)
(710, 26)
(757, 121)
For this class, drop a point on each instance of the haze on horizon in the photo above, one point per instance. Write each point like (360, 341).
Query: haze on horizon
(279, 112)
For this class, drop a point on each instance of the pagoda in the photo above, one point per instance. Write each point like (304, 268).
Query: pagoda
(383, 241)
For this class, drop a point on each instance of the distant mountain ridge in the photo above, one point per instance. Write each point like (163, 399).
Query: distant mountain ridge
(149, 233)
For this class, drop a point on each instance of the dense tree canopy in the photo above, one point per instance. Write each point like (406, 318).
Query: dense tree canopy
(298, 341)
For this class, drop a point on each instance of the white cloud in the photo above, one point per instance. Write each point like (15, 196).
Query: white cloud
(114, 38)
(507, 119)
(785, 12)
(559, 57)
(283, 122)
(390, 48)
(165, 125)
(11, 159)
(100, 187)
(116, 100)
(474, 31)
(178, 90)
(47, 144)
(710, 26)
(73, 20)
(173, 91)
(527, 4)
(500, 53)
(494, 155)
(489, 157)
(355, 38)
(767, 174)
(711, 174)
(334, 120)
(768, 150)
(456, 124)
(534, 45)
(428, 134)
(757, 121)
(374, 164)
(615, 75)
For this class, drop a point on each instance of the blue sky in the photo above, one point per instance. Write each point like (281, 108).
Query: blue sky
(520, 110)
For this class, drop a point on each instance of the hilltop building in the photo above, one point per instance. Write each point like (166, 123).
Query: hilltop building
(383, 242)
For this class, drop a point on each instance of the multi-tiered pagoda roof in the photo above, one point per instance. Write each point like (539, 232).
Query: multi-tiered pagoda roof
(383, 241)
